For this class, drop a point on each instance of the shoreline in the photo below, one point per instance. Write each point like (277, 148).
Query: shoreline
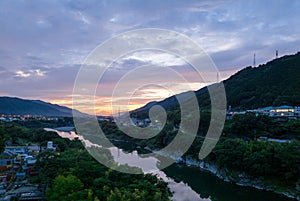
(245, 180)
(240, 179)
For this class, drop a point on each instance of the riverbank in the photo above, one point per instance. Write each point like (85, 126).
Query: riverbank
(239, 178)
(263, 165)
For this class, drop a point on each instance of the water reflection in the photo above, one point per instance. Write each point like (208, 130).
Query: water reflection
(181, 191)
(186, 183)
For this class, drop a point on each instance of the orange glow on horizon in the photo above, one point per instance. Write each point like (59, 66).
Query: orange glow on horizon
(105, 110)
(103, 105)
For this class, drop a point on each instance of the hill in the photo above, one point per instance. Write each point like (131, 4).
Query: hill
(170, 103)
(274, 83)
(17, 106)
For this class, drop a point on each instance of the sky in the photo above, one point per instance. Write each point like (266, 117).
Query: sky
(45, 42)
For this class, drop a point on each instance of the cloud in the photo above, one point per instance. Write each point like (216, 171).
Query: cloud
(44, 43)
(51, 29)
(22, 74)
(153, 57)
(82, 18)
(26, 74)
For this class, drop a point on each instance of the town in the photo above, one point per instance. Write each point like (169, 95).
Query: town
(278, 112)
(10, 118)
(16, 167)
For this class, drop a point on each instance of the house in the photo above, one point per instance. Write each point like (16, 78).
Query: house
(16, 149)
(50, 146)
(7, 158)
(34, 149)
(23, 149)
(282, 111)
(297, 111)
(25, 192)
(140, 122)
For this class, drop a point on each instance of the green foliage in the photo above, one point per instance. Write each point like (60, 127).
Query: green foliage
(40, 135)
(117, 195)
(15, 134)
(115, 186)
(251, 126)
(72, 174)
(274, 160)
(239, 150)
(96, 180)
(2, 139)
(34, 123)
(68, 188)
(274, 83)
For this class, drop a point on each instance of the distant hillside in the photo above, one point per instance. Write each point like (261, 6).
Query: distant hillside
(169, 103)
(274, 83)
(17, 106)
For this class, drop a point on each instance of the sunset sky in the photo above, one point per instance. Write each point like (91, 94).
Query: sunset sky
(44, 42)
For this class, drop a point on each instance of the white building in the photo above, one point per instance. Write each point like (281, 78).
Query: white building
(279, 111)
(282, 111)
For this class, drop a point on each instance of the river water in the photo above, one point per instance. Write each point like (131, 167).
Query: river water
(190, 183)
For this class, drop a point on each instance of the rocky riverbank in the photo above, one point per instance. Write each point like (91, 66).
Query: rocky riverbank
(240, 178)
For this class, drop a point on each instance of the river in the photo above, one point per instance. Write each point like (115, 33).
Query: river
(191, 183)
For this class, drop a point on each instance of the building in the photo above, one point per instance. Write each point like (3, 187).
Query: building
(25, 192)
(283, 111)
(230, 114)
(50, 146)
(7, 158)
(140, 122)
(274, 140)
(16, 149)
(23, 149)
(33, 149)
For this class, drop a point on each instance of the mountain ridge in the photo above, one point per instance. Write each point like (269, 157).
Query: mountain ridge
(19, 106)
(273, 83)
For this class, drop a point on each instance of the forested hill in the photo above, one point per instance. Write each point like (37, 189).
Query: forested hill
(17, 106)
(274, 83)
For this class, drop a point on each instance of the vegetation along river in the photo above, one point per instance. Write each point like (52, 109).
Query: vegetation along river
(192, 183)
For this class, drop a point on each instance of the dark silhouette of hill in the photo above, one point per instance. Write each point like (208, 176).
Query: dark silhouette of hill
(17, 106)
(275, 83)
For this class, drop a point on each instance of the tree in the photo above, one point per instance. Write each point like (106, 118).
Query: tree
(2, 140)
(68, 188)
